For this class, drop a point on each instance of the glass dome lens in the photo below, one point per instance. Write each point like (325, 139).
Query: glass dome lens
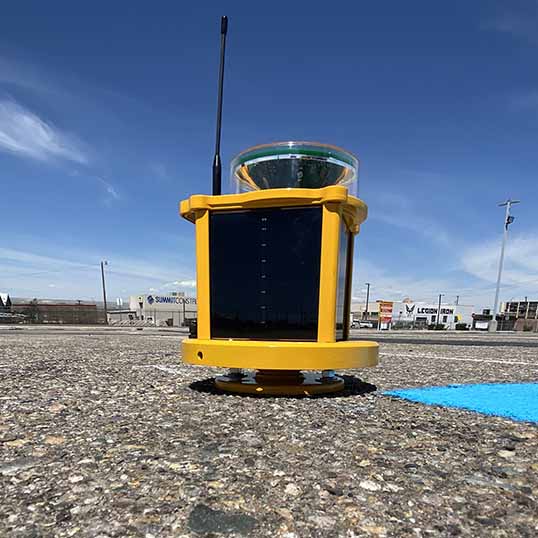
(307, 165)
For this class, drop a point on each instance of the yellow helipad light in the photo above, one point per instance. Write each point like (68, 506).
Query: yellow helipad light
(274, 269)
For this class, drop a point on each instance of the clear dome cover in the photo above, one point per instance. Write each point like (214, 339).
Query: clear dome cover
(307, 165)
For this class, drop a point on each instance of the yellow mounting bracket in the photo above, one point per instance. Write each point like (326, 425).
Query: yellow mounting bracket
(279, 362)
(354, 210)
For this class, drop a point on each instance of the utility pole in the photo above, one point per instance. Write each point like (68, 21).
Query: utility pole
(103, 263)
(508, 219)
(439, 309)
(365, 315)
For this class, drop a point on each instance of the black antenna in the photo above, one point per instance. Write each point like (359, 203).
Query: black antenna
(217, 169)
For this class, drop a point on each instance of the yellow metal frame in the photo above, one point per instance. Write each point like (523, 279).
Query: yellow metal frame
(324, 354)
(337, 205)
(356, 210)
(279, 355)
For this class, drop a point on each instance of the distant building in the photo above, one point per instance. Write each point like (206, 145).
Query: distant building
(482, 319)
(408, 314)
(6, 314)
(57, 312)
(121, 317)
(359, 313)
(520, 310)
(173, 309)
(5, 303)
(519, 316)
(422, 314)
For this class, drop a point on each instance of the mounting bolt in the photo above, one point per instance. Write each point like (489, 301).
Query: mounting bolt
(235, 373)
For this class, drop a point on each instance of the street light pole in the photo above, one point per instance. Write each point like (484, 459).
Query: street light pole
(365, 315)
(439, 309)
(103, 263)
(508, 219)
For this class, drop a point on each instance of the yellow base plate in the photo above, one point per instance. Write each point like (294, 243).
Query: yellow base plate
(281, 383)
(275, 355)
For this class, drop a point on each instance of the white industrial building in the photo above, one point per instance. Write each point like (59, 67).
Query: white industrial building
(171, 310)
(176, 310)
(411, 314)
(422, 314)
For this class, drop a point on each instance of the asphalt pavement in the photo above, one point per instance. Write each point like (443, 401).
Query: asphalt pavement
(109, 435)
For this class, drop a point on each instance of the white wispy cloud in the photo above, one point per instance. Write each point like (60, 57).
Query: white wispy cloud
(159, 170)
(522, 23)
(473, 279)
(388, 284)
(112, 194)
(520, 263)
(420, 226)
(25, 261)
(24, 76)
(25, 273)
(403, 212)
(525, 100)
(179, 284)
(28, 134)
(25, 134)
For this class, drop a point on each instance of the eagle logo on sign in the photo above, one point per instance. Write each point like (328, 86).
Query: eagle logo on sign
(409, 309)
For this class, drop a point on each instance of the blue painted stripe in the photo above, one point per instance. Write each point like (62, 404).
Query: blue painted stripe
(518, 401)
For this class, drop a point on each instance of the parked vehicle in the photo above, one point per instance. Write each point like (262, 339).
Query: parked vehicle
(362, 325)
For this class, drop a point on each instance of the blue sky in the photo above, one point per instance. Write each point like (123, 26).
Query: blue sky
(107, 121)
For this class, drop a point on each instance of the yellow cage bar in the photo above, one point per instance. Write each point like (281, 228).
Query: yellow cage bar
(339, 211)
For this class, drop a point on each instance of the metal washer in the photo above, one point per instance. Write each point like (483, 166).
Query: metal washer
(280, 383)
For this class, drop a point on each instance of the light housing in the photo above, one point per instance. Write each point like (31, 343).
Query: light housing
(309, 165)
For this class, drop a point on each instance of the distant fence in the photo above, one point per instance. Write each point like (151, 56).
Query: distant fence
(35, 312)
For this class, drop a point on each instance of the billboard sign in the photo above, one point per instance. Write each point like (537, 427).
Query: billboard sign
(385, 311)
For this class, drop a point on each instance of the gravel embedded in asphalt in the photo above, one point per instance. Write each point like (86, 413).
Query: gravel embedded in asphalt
(110, 436)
